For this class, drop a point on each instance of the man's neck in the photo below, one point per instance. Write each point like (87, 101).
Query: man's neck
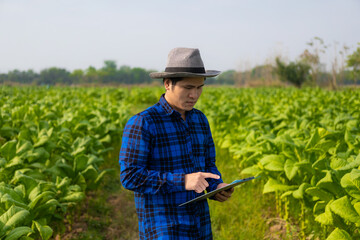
(182, 112)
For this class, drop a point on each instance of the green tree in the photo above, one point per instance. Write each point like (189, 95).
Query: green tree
(108, 72)
(295, 72)
(124, 74)
(77, 76)
(91, 75)
(353, 62)
(140, 75)
(52, 76)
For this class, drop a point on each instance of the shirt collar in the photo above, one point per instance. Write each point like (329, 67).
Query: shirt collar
(168, 109)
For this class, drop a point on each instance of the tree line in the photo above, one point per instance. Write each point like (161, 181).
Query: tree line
(307, 69)
(108, 74)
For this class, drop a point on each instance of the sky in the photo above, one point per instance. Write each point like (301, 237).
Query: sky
(230, 34)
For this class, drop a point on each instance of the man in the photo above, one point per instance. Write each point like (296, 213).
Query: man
(167, 155)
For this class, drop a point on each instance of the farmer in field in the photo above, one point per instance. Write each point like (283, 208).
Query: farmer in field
(167, 155)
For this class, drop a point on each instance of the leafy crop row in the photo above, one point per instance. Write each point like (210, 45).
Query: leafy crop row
(51, 147)
(305, 145)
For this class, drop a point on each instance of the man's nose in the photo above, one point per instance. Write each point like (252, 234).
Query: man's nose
(194, 93)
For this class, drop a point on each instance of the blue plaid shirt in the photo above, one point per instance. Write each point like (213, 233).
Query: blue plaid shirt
(158, 149)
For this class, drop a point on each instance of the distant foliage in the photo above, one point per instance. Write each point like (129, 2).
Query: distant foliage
(354, 62)
(295, 72)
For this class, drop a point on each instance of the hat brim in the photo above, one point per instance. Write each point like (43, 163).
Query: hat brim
(208, 73)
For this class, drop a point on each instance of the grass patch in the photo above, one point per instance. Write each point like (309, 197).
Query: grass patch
(245, 214)
(107, 213)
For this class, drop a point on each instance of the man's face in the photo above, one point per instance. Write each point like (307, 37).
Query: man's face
(184, 95)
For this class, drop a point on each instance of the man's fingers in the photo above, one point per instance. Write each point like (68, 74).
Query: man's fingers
(210, 175)
(227, 193)
(199, 189)
(205, 183)
(231, 190)
(220, 197)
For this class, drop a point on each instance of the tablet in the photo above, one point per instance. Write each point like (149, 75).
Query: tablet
(212, 193)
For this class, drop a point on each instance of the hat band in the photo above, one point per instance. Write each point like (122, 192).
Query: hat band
(185, 69)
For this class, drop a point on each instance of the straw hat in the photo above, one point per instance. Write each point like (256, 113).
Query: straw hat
(184, 62)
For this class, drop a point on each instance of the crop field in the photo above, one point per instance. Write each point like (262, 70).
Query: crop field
(303, 143)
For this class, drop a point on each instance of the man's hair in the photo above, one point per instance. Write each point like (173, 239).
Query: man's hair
(173, 80)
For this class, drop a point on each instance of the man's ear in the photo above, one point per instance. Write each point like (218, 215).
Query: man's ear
(167, 84)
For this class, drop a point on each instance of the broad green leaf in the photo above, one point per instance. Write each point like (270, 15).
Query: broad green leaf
(16, 233)
(323, 146)
(73, 197)
(330, 185)
(80, 145)
(46, 209)
(226, 144)
(62, 182)
(94, 160)
(250, 139)
(106, 139)
(38, 154)
(349, 139)
(80, 180)
(304, 166)
(41, 198)
(351, 183)
(339, 234)
(12, 218)
(350, 165)
(8, 150)
(4, 189)
(45, 231)
(273, 162)
(23, 146)
(67, 169)
(299, 193)
(25, 134)
(357, 207)
(6, 198)
(274, 186)
(20, 190)
(321, 162)
(15, 162)
(29, 182)
(80, 162)
(90, 173)
(8, 132)
(319, 207)
(345, 209)
(315, 138)
(326, 218)
(290, 169)
(253, 171)
(338, 163)
(41, 141)
(319, 193)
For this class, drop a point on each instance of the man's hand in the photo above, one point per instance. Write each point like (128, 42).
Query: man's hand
(223, 195)
(197, 182)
